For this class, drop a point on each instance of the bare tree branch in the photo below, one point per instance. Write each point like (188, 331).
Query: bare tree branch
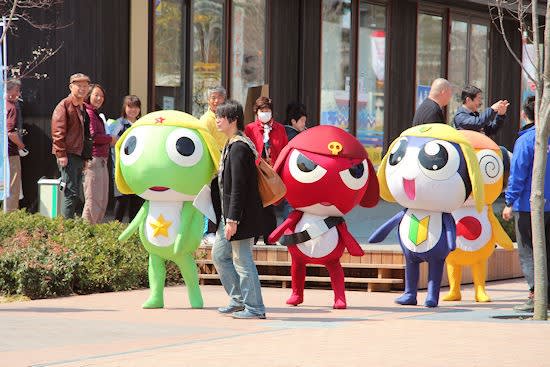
(20, 9)
(499, 6)
(8, 25)
(26, 70)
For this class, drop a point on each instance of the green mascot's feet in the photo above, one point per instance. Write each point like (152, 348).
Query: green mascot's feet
(195, 298)
(153, 302)
(197, 304)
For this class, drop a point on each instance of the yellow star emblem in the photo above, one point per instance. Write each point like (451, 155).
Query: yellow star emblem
(160, 226)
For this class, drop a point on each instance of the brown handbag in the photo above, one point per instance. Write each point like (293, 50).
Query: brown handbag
(270, 185)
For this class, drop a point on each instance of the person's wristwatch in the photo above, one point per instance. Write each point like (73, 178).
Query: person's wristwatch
(508, 204)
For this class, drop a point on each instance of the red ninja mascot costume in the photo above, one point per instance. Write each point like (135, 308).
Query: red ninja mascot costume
(327, 173)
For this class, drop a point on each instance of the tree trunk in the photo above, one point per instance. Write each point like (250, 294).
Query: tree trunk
(542, 117)
(537, 217)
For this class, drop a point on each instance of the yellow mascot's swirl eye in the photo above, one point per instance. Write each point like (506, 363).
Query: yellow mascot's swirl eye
(491, 166)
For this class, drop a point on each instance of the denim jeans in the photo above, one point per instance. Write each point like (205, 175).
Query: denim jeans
(235, 265)
(71, 174)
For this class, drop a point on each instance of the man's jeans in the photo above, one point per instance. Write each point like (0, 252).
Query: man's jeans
(12, 202)
(71, 175)
(238, 274)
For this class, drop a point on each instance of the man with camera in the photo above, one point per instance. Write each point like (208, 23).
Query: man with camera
(71, 141)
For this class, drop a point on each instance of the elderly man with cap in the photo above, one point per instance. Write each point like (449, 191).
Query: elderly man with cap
(71, 140)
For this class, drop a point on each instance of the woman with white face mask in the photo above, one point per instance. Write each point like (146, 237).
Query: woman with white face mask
(270, 138)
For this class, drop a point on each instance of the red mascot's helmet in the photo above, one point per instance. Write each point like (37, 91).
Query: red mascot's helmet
(326, 167)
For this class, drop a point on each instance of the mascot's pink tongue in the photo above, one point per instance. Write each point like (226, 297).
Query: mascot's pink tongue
(469, 228)
(410, 189)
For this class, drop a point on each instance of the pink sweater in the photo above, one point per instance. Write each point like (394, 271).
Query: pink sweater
(102, 141)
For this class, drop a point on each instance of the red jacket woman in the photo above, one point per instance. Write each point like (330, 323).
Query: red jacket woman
(269, 138)
(268, 135)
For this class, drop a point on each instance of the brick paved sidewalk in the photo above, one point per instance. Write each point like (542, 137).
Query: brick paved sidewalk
(111, 329)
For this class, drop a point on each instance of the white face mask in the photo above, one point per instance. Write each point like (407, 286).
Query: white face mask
(264, 116)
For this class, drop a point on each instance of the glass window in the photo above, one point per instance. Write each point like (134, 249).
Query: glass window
(247, 47)
(370, 79)
(457, 64)
(208, 46)
(468, 61)
(479, 58)
(335, 63)
(428, 54)
(528, 67)
(167, 54)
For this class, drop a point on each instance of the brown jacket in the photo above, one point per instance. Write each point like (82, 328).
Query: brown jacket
(67, 128)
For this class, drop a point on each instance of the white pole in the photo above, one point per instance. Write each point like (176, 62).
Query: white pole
(4, 122)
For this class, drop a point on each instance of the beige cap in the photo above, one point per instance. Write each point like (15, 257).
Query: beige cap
(79, 77)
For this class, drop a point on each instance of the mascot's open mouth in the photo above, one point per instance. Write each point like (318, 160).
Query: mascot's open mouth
(158, 188)
(410, 188)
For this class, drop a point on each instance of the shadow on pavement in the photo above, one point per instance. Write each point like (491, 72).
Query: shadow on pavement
(412, 309)
(313, 320)
(298, 310)
(492, 305)
(53, 310)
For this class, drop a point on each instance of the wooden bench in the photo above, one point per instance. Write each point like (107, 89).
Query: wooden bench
(383, 281)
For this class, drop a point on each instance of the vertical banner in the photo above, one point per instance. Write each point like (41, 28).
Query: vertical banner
(4, 171)
(527, 63)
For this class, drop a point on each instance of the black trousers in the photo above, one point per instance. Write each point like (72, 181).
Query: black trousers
(269, 223)
(524, 239)
(130, 203)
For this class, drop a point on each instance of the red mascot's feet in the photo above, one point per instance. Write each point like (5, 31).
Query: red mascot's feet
(295, 300)
(339, 304)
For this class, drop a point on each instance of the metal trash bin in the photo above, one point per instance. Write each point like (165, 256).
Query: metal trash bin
(50, 196)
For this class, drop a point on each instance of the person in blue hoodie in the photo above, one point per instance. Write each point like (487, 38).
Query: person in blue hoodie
(467, 116)
(518, 195)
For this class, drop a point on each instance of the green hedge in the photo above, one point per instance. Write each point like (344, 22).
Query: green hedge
(41, 257)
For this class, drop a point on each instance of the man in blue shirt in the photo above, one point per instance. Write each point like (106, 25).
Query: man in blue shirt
(468, 118)
(518, 195)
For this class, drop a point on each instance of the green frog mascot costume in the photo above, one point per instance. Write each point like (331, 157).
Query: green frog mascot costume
(166, 158)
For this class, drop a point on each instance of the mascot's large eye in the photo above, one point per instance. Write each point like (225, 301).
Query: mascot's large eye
(133, 145)
(184, 147)
(491, 166)
(356, 177)
(438, 160)
(398, 151)
(304, 169)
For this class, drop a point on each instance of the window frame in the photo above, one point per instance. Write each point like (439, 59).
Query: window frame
(470, 20)
(354, 60)
(187, 51)
(439, 11)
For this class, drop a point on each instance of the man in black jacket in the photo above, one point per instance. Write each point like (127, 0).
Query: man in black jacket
(431, 110)
(238, 207)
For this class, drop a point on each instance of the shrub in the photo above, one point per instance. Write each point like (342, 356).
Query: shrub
(42, 257)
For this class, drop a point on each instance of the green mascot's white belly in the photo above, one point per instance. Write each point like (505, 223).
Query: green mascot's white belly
(163, 222)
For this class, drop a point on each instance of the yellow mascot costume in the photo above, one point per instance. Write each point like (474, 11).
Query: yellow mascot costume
(477, 233)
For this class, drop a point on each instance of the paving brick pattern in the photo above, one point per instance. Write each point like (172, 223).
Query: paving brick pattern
(111, 329)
